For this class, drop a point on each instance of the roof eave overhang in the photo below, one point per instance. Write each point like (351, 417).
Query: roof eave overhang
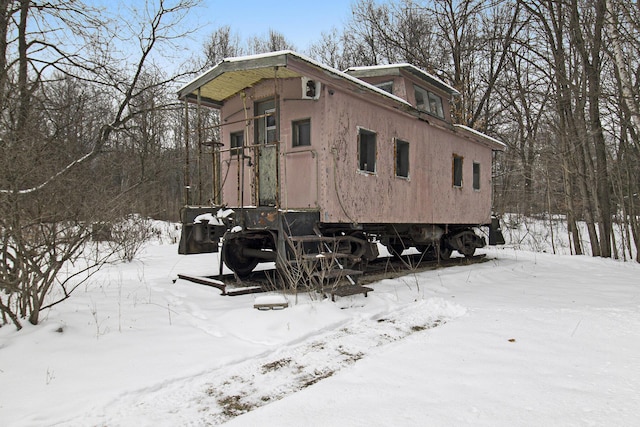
(205, 101)
(234, 75)
(450, 90)
(397, 70)
(481, 138)
(241, 72)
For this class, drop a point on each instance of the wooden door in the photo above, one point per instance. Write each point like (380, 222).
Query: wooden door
(267, 138)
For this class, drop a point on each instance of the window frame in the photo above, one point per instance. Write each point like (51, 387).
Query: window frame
(270, 126)
(428, 98)
(457, 168)
(236, 150)
(476, 176)
(295, 132)
(384, 85)
(398, 160)
(439, 110)
(266, 125)
(364, 167)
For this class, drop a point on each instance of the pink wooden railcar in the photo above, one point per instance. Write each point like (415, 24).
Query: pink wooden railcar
(369, 154)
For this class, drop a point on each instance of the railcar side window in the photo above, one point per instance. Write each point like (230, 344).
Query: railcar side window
(420, 95)
(386, 86)
(301, 132)
(266, 126)
(476, 176)
(428, 101)
(270, 125)
(367, 150)
(402, 158)
(435, 105)
(237, 141)
(457, 170)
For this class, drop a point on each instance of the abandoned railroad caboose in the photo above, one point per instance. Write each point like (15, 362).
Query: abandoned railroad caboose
(317, 163)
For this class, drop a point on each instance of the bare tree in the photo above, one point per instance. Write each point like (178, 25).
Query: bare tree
(331, 50)
(623, 28)
(525, 97)
(274, 41)
(65, 97)
(222, 43)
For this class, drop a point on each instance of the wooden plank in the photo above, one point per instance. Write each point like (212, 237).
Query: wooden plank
(271, 306)
(347, 290)
(204, 281)
(329, 255)
(271, 302)
(244, 291)
(343, 291)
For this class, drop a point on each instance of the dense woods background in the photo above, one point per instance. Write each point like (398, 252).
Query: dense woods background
(91, 131)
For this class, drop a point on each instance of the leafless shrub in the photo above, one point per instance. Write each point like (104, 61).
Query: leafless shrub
(72, 114)
(128, 236)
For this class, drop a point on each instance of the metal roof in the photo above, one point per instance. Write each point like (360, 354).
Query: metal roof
(232, 75)
(495, 144)
(376, 70)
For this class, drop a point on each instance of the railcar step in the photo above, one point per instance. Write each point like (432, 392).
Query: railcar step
(347, 290)
(329, 255)
(311, 238)
(336, 273)
(271, 302)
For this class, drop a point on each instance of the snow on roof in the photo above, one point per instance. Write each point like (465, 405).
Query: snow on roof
(348, 77)
(258, 56)
(413, 68)
(497, 142)
(284, 53)
(213, 72)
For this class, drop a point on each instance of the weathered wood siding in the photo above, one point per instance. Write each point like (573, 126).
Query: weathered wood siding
(325, 175)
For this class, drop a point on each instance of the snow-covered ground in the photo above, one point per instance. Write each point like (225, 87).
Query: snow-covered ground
(523, 339)
(550, 235)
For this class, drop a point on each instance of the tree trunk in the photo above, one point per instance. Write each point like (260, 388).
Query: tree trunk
(591, 63)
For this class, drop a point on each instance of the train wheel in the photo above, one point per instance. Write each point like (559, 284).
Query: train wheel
(428, 252)
(468, 248)
(233, 257)
(468, 244)
(443, 251)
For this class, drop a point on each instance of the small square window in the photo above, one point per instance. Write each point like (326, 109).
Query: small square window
(301, 132)
(420, 95)
(270, 125)
(237, 141)
(428, 101)
(386, 86)
(476, 176)
(367, 151)
(457, 171)
(435, 105)
(402, 158)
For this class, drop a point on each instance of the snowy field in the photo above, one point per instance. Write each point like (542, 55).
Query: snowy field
(523, 339)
